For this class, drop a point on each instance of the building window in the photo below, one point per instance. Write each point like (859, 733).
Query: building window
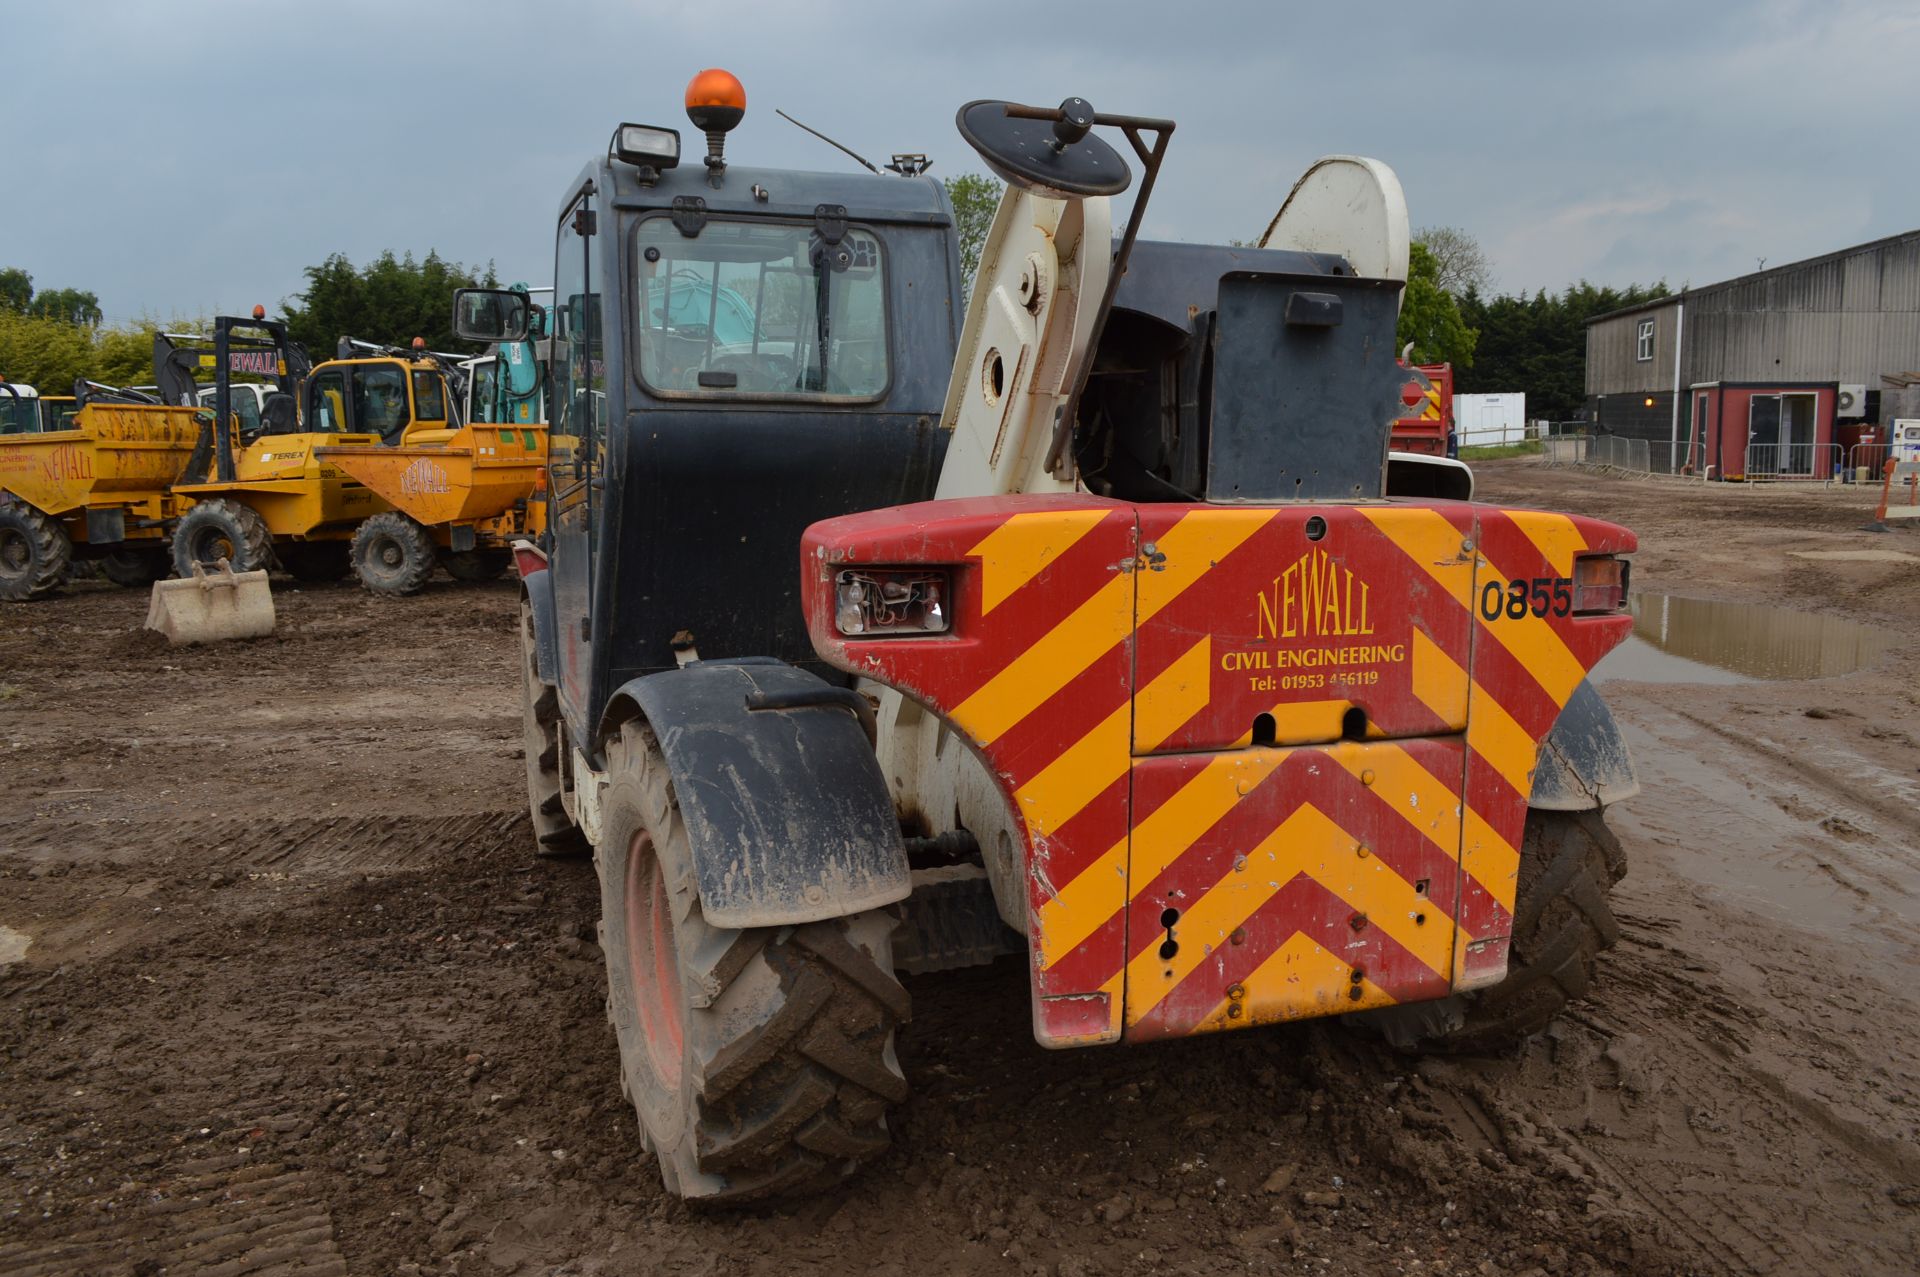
(1644, 350)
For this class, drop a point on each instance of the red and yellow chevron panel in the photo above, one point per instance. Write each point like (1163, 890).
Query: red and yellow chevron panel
(1268, 762)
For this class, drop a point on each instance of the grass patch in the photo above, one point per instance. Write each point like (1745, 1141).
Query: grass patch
(1493, 452)
(9, 691)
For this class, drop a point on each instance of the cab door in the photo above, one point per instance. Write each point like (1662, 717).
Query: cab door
(574, 442)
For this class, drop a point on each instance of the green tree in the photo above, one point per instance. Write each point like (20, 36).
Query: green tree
(44, 353)
(390, 301)
(1538, 344)
(16, 290)
(975, 198)
(68, 305)
(1461, 265)
(1430, 319)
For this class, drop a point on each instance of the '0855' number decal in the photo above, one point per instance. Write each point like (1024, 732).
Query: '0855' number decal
(1542, 596)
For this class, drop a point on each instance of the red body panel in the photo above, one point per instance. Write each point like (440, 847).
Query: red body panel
(1162, 693)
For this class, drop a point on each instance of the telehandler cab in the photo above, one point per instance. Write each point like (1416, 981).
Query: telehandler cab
(1109, 644)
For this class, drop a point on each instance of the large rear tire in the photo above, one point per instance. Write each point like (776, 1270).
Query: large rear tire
(554, 832)
(393, 554)
(1562, 922)
(136, 569)
(219, 528)
(35, 552)
(760, 1062)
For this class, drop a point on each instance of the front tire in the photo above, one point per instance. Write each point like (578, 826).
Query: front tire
(393, 554)
(35, 553)
(761, 1062)
(1562, 922)
(555, 834)
(219, 528)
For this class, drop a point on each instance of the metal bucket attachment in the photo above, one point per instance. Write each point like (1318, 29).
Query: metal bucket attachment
(211, 606)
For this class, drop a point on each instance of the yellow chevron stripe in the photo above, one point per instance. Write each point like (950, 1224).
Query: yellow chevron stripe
(1423, 800)
(1055, 660)
(1022, 547)
(1553, 535)
(1082, 905)
(1176, 695)
(1438, 681)
(1190, 549)
(1531, 640)
(1307, 843)
(1493, 734)
(1490, 859)
(1085, 768)
(1298, 980)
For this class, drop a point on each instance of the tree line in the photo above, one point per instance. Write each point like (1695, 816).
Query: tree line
(1495, 341)
(52, 338)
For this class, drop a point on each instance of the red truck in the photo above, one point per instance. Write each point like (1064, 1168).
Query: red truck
(1428, 426)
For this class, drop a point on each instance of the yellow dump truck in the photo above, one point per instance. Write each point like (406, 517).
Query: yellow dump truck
(360, 465)
(460, 496)
(90, 478)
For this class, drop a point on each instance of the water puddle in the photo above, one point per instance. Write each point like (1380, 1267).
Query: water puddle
(1681, 640)
(13, 946)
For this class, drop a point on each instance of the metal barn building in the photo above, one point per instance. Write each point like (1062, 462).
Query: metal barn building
(1781, 372)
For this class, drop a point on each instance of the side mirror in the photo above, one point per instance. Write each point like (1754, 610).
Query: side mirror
(491, 314)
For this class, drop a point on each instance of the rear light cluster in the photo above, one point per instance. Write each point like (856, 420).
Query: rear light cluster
(1599, 584)
(870, 601)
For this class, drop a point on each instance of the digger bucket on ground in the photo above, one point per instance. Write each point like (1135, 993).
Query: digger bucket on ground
(211, 606)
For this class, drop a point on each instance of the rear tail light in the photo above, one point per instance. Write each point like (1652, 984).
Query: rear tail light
(1599, 584)
(870, 601)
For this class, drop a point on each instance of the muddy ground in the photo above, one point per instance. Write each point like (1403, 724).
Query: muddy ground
(295, 998)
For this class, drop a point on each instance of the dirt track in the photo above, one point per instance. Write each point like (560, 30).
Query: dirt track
(297, 999)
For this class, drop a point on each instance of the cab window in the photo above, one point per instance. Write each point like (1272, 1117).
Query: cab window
(380, 399)
(329, 410)
(244, 402)
(18, 416)
(742, 310)
(429, 397)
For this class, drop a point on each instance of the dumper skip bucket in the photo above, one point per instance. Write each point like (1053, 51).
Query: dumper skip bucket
(211, 606)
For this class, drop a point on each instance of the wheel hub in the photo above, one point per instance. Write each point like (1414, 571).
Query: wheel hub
(16, 555)
(651, 963)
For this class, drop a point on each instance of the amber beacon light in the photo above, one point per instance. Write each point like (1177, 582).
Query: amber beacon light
(716, 102)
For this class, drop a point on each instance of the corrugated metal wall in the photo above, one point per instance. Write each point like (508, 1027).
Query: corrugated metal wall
(1613, 346)
(1847, 317)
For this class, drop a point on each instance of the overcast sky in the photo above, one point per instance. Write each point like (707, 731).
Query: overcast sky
(191, 157)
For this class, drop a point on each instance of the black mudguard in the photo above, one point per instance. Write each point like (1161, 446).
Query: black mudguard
(784, 802)
(1583, 763)
(546, 631)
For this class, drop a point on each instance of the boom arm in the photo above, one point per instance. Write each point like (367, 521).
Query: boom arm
(1043, 271)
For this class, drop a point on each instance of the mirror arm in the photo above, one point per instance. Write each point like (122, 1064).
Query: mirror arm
(1059, 461)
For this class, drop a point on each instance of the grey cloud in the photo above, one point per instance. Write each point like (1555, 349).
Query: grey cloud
(210, 150)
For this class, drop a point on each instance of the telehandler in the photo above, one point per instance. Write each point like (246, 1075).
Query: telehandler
(1109, 644)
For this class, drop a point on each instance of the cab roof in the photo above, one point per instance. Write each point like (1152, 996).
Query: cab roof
(867, 197)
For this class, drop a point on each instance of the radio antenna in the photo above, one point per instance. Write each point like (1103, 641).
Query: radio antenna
(861, 159)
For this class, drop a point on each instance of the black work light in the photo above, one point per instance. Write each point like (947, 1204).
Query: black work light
(646, 145)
